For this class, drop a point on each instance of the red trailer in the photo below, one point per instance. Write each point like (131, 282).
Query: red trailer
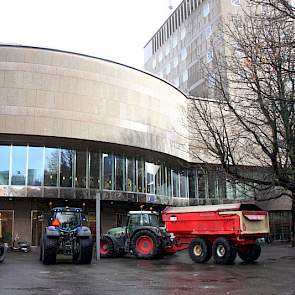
(221, 231)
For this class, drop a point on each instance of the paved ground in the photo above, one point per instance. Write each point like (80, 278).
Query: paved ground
(23, 274)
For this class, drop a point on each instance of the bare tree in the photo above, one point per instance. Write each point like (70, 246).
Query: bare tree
(252, 118)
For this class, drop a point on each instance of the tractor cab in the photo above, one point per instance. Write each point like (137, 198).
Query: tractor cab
(142, 218)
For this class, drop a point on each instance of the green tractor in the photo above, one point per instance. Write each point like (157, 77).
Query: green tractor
(143, 236)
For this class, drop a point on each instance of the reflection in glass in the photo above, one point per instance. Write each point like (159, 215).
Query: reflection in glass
(66, 168)
(163, 190)
(202, 183)
(19, 161)
(119, 172)
(150, 178)
(51, 166)
(35, 166)
(192, 183)
(94, 170)
(80, 180)
(130, 178)
(182, 184)
(157, 173)
(175, 180)
(107, 171)
(141, 175)
(4, 164)
(169, 183)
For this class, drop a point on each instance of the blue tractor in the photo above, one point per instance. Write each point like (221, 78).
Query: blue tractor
(66, 234)
(2, 251)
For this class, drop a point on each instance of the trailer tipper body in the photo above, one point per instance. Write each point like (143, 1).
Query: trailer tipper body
(221, 231)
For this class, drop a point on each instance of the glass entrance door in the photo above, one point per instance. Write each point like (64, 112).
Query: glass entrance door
(6, 226)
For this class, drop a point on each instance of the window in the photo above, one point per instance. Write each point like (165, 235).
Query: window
(150, 178)
(182, 34)
(208, 32)
(119, 172)
(174, 42)
(66, 168)
(130, 177)
(183, 53)
(167, 49)
(175, 62)
(108, 171)
(94, 180)
(4, 164)
(51, 166)
(80, 180)
(182, 184)
(19, 165)
(192, 183)
(206, 9)
(157, 173)
(184, 76)
(175, 183)
(168, 69)
(235, 2)
(35, 166)
(202, 184)
(141, 176)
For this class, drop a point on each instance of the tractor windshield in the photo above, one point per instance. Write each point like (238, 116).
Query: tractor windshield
(67, 219)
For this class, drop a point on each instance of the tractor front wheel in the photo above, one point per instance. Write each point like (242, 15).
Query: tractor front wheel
(146, 245)
(224, 251)
(107, 248)
(200, 250)
(250, 253)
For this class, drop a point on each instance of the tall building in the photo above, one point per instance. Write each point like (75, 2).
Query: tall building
(184, 42)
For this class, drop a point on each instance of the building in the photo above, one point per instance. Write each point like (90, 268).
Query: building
(184, 42)
(72, 126)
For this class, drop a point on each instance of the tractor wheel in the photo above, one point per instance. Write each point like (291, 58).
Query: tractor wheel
(2, 253)
(49, 250)
(224, 251)
(85, 248)
(250, 254)
(107, 248)
(200, 250)
(146, 245)
(41, 250)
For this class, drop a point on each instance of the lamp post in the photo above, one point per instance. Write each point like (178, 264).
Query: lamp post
(98, 197)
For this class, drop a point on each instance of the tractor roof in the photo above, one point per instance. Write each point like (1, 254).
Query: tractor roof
(67, 209)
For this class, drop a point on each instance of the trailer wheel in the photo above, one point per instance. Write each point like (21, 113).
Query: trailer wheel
(250, 254)
(200, 250)
(49, 250)
(107, 248)
(224, 251)
(146, 245)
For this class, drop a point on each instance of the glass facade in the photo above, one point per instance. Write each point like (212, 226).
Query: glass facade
(67, 168)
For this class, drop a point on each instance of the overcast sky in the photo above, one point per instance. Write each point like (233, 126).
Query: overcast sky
(111, 29)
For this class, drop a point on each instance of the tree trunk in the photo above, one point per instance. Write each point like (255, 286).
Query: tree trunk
(293, 221)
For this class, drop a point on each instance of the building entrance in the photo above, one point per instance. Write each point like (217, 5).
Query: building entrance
(6, 226)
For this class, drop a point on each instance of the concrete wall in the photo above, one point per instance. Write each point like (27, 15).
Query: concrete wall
(52, 93)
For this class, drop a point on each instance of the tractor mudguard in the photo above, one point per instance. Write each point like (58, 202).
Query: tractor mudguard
(52, 231)
(83, 232)
(116, 243)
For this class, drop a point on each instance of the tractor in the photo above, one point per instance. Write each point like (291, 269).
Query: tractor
(143, 236)
(2, 252)
(66, 234)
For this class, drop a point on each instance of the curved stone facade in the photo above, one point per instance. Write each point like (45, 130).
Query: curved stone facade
(52, 93)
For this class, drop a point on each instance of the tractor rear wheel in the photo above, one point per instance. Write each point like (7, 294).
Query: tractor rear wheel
(250, 253)
(2, 253)
(200, 250)
(49, 250)
(224, 251)
(146, 245)
(85, 248)
(107, 248)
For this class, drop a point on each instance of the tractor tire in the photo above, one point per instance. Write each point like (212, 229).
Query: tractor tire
(224, 251)
(200, 250)
(2, 253)
(146, 245)
(49, 250)
(107, 248)
(250, 254)
(85, 248)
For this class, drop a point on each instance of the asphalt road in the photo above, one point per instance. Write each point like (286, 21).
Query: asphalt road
(274, 273)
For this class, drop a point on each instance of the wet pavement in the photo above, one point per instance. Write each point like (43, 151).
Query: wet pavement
(274, 273)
